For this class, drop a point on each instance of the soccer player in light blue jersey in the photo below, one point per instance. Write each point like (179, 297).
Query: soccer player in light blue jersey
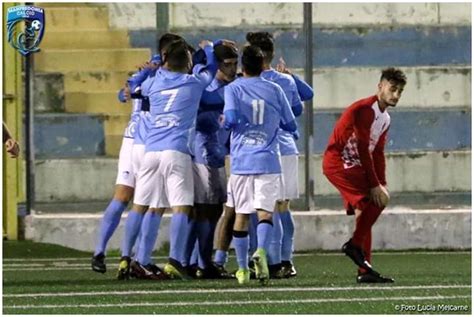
(165, 178)
(209, 163)
(136, 220)
(125, 182)
(254, 110)
(281, 246)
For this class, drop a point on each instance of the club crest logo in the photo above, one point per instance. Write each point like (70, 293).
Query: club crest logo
(25, 37)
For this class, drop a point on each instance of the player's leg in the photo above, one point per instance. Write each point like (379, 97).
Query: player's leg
(179, 231)
(274, 248)
(267, 189)
(123, 194)
(205, 226)
(362, 238)
(366, 248)
(352, 185)
(143, 198)
(192, 267)
(253, 223)
(291, 191)
(217, 196)
(191, 245)
(241, 245)
(131, 230)
(210, 195)
(287, 247)
(144, 267)
(240, 191)
(178, 175)
(224, 238)
(224, 233)
(259, 257)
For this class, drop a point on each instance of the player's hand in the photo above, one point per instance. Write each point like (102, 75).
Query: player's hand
(379, 195)
(12, 147)
(150, 65)
(221, 120)
(204, 43)
(281, 67)
(228, 43)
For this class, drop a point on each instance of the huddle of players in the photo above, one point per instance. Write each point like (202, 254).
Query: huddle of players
(191, 109)
(181, 92)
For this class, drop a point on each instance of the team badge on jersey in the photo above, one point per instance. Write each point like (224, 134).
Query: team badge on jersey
(25, 28)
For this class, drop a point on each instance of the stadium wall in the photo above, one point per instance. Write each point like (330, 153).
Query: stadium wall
(352, 42)
(398, 229)
(429, 150)
(93, 179)
(135, 16)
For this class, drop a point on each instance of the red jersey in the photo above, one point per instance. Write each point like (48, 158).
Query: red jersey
(358, 139)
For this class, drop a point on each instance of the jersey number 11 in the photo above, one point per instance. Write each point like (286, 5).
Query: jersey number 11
(258, 107)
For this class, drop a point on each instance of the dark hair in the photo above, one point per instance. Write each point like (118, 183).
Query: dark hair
(166, 39)
(264, 40)
(223, 52)
(176, 55)
(252, 60)
(394, 75)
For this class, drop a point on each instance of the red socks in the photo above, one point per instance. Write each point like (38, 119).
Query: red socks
(367, 248)
(364, 224)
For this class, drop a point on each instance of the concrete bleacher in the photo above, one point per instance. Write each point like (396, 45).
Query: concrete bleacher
(89, 61)
(79, 122)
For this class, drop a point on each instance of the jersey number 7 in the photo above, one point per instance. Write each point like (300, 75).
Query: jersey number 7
(172, 93)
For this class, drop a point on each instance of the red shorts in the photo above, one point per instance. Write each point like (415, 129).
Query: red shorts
(353, 186)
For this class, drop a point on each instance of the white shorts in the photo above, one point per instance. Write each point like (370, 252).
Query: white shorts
(125, 174)
(289, 170)
(247, 193)
(138, 155)
(209, 184)
(165, 180)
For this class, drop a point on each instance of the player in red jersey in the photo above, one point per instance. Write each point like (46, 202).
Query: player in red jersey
(354, 163)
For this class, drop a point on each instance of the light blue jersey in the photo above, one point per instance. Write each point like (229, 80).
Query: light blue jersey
(210, 144)
(132, 126)
(143, 124)
(174, 101)
(287, 83)
(254, 109)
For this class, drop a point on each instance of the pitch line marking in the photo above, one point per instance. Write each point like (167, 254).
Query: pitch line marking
(6, 260)
(47, 269)
(234, 290)
(239, 303)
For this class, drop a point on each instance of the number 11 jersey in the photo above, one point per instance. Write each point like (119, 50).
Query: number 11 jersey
(259, 106)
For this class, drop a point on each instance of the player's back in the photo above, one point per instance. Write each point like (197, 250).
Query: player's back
(288, 85)
(174, 100)
(260, 105)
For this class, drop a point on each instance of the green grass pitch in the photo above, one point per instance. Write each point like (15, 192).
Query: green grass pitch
(49, 279)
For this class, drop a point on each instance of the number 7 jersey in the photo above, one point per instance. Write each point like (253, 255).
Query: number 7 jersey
(174, 101)
(260, 106)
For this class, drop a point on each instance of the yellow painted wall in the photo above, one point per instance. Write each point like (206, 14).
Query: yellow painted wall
(12, 107)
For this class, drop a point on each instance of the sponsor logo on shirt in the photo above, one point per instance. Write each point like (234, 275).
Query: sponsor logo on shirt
(254, 138)
(167, 121)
